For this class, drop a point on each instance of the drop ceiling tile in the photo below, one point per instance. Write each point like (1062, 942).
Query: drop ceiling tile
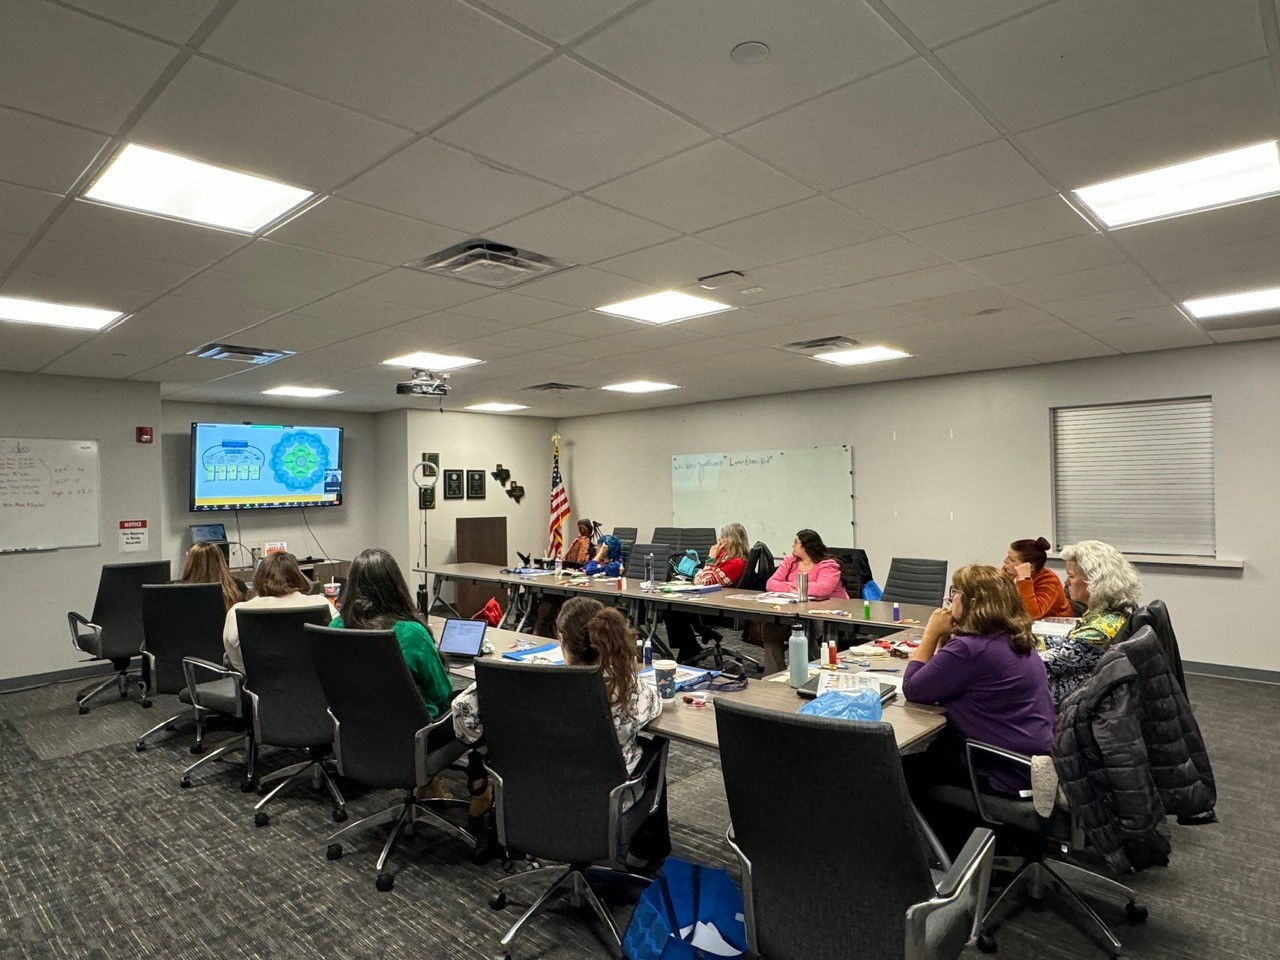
(1047, 259)
(866, 326)
(1135, 339)
(524, 339)
(571, 126)
(581, 231)
(11, 244)
(917, 285)
(189, 370)
(512, 309)
(417, 289)
(98, 265)
(1229, 109)
(813, 306)
(1258, 254)
(269, 260)
(732, 325)
(561, 21)
(1009, 228)
(864, 261)
(1121, 276)
(675, 263)
(27, 347)
(936, 23)
(594, 349)
(900, 117)
(1120, 301)
(24, 210)
(367, 233)
(215, 286)
(411, 62)
(524, 367)
(708, 185)
(301, 332)
(75, 287)
(165, 331)
(1255, 333)
(71, 67)
(161, 18)
(1075, 55)
(589, 324)
(963, 183)
(767, 284)
(362, 312)
(434, 182)
(219, 115)
(1257, 276)
(91, 360)
(1202, 231)
(153, 238)
(984, 303)
(43, 153)
(646, 337)
(814, 47)
(1166, 315)
(448, 327)
(209, 320)
(810, 226)
(1054, 344)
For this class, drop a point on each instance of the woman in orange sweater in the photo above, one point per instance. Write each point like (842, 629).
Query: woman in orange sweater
(1041, 590)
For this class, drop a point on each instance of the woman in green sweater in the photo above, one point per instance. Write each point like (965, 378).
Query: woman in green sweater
(376, 597)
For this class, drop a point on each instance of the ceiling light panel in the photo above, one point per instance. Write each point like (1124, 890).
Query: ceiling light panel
(1214, 181)
(1252, 301)
(640, 386)
(496, 407)
(861, 355)
(309, 393)
(44, 313)
(669, 306)
(151, 181)
(423, 360)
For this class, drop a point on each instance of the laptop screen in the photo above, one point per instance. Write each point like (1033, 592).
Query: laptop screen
(462, 637)
(204, 532)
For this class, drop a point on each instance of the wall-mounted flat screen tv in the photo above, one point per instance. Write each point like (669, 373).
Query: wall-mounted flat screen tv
(257, 466)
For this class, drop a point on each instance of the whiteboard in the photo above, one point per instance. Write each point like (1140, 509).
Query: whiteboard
(48, 494)
(773, 493)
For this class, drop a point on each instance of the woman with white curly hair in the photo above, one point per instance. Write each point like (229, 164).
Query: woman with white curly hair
(1108, 585)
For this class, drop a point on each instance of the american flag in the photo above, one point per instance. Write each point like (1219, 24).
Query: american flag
(559, 501)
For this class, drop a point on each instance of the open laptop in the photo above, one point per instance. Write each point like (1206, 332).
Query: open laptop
(810, 690)
(462, 639)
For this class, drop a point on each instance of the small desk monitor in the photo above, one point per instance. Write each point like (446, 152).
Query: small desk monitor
(208, 532)
(462, 638)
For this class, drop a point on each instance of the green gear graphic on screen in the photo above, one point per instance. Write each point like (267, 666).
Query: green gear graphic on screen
(299, 460)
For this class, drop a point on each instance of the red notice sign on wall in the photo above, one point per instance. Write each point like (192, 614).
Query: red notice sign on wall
(133, 536)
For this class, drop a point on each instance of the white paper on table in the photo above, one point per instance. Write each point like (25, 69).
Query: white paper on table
(1053, 627)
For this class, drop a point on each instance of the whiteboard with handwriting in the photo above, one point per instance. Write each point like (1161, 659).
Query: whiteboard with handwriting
(48, 494)
(773, 493)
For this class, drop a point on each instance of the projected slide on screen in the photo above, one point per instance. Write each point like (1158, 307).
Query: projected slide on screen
(241, 466)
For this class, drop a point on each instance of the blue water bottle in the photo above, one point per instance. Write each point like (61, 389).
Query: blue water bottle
(798, 655)
(648, 652)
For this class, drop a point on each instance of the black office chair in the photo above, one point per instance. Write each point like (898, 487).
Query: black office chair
(661, 554)
(913, 580)
(1156, 616)
(626, 533)
(869, 891)
(383, 735)
(668, 535)
(287, 706)
(180, 620)
(223, 695)
(713, 639)
(701, 539)
(855, 569)
(561, 791)
(115, 631)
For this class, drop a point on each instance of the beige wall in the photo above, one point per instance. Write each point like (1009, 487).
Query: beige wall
(956, 467)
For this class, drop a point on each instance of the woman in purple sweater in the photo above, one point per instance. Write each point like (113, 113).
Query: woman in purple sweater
(977, 658)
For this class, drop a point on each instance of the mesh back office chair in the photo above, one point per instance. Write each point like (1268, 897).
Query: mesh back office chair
(701, 539)
(115, 631)
(626, 533)
(814, 895)
(668, 535)
(180, 620)
(383, 735)
(914, 580)
(561, 790)
(661, 553)
(287, 706)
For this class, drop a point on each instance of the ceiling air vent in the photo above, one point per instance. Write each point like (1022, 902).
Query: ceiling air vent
(489, 264)
(807, 348)
(229, 351)
(552, 386)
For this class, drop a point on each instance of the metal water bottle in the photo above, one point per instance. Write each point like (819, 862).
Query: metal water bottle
(798, 655)
(802, 586)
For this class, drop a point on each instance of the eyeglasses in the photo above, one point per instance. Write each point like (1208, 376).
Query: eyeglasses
(713, 682)
(951, 595)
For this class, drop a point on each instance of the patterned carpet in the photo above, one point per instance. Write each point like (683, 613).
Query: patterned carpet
(103, 856)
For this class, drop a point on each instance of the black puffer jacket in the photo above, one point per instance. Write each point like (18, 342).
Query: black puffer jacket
(1127, 748)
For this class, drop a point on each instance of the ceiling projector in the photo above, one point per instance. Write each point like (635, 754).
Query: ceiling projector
(424, 384)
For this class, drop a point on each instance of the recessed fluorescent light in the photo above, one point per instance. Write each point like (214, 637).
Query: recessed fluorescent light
(1253, 301)
(48, 314)
(431, 361)
(859, 355)
(1202, 184)
(152, 181)
(311, 393)
(496, 407)
(640, 386)
(666, 307)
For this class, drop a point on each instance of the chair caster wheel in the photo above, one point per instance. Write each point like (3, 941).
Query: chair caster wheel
(385, 882)
(246, 786)
(184, 782)
(146, 704)
(498, 901)
(170, 727)
(261, 819)
(334, 852)
(1136, 912)
(83, 709)
(339, 815)
(986, 943)
(140, 746)
(197, 748)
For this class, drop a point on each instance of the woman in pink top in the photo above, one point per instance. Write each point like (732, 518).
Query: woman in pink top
(808, 555)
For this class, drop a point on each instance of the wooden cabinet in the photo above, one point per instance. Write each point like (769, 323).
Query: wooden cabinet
(480, 540)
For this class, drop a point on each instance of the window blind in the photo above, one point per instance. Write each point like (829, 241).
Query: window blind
(1136, 475)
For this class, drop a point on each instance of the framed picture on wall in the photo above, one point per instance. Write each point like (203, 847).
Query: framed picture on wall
(475, 484)
(453, 484)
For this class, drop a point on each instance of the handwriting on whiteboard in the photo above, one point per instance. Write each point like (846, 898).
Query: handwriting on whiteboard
(29, 483)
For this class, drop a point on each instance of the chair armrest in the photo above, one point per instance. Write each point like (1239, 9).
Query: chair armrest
(93, 636)
(191, 664)
(964, 886)
(974, 747)
(435, 747)
(651, 778)
(748, 900)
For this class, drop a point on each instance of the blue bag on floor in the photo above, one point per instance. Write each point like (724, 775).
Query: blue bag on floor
(689, 912)
(863, 705)
(871, 591)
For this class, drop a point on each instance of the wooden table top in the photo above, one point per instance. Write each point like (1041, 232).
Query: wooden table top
(913, 724)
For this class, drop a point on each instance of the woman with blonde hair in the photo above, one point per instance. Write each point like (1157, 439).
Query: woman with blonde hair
(205, 563)
(277, 583)
(725, 562)
(1107, 584)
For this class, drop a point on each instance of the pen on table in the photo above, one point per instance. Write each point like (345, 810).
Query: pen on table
(882, 670)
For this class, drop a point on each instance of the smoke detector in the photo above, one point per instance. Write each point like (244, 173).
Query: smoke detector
(488, 264)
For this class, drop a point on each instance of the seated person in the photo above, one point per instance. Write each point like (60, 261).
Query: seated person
(977, 659)
(606, 558)
(589, 633)
(377, 598)
(1108, 585)
(808, 555)
(205, 563)
(592, 557)
(1041, 590)
(277, 583)
(725, 562)
(579, 550)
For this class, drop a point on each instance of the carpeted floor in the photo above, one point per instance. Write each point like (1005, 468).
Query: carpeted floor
(103, 856)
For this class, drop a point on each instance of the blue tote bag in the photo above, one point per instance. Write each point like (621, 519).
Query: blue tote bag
(689, 912)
